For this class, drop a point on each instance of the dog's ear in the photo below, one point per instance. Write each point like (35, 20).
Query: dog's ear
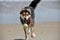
(21, 12)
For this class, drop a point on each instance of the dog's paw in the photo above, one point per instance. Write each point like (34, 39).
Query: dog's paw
(28, 31)
(33, 35)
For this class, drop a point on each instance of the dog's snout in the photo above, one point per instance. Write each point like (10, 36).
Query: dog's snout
(25, 21)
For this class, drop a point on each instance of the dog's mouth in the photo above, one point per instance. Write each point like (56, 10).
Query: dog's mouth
(26, 21)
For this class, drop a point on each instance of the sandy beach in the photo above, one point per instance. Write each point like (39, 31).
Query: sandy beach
(44, 31)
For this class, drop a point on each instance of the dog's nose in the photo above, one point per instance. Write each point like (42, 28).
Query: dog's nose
(24, 18)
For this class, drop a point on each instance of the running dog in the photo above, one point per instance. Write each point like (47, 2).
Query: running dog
(27, 16)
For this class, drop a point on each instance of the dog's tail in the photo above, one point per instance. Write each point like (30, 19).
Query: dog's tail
(34, 3)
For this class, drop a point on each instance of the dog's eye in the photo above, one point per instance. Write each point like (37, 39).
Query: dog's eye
(27, 13)
(23, 13)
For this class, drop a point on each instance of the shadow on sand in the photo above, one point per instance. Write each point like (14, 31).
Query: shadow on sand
(19, 39)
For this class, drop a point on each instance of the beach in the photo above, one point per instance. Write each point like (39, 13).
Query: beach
(44, 31)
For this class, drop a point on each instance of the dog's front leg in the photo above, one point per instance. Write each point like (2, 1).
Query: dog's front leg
(32, 31)
(25, 33)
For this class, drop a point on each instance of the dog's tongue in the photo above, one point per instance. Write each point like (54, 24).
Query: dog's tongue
(28, 21)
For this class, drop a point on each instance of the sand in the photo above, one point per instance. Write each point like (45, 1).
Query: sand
(44, 31)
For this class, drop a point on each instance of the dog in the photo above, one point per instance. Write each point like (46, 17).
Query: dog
(27, 16)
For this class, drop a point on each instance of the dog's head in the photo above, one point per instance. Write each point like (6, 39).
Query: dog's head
(25, 14)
